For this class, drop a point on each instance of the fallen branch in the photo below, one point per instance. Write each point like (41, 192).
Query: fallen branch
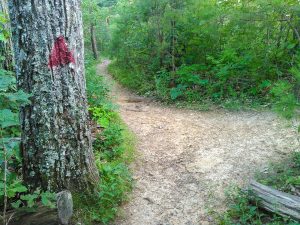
(276, 201)
(44, 215)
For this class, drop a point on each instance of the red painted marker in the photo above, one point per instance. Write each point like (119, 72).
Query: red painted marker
(60, 54)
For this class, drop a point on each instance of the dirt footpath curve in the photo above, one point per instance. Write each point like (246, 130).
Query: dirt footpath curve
(187, 159)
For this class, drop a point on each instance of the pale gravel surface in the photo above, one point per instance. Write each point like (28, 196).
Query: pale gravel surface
(187, 159)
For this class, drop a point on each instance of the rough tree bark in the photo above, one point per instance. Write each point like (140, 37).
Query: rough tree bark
(56, 139)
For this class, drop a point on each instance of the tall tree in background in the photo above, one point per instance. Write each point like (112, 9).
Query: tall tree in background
(56, 140)
(93, 40)
(91, 16)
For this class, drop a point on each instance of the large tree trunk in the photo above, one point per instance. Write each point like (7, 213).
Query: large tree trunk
(93, 41)
(56, 139)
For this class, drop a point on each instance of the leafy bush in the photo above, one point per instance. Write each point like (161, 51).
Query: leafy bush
(114, 151)
(115, 185)
(162, 84)
(97, 91)
(103, 115)
(285, 102)
(132, 78)
(214, 50)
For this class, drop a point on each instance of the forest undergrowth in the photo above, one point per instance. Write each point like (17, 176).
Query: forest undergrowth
(237, 55)
(192, 54)
(114, 148)
(230, 54)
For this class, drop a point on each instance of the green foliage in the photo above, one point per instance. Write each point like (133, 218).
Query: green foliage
(221, 51)
(103, 116)
(109, 141)
(283, 176)
(107, 3)
(131, 78)
(285, 100)
(10, 185)
(97, 92)
(178, 91)
(162, 83)
(115, 185)
(243, 209)
(48, 199)
(97, 13)
(114, 151)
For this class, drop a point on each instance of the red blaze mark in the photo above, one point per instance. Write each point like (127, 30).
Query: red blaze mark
(60, 54)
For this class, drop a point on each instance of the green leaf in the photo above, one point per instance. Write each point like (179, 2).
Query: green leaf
(104, 122)
(293, 180)
(177, 92)
(2, 37)
(19, 188)
(14, 188)
(291, 46)
(30, 199)
(3, 18)
(6, 82)
(10, 143)
(16, 204)
(48, 199)
(8, 118)
(19, 97)
(203, 82)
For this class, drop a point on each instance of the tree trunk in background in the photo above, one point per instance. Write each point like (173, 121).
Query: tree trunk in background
(56, 139)
(173, 45)
(94, 42)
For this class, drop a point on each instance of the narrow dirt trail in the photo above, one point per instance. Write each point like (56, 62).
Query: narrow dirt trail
(188, 158)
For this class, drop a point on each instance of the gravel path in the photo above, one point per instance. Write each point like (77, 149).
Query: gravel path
(187, 159)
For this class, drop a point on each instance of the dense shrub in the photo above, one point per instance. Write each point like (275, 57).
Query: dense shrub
(114, 151)
(222, 51)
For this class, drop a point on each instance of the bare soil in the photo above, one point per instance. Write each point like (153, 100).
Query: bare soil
(187, 159)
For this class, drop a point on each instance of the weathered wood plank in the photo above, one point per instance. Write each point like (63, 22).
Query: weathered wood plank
(44, 215)
(276, 201)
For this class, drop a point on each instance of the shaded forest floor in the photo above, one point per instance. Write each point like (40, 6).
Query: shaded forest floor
(187, 159)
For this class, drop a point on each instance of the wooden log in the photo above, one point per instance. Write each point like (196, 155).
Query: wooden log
(276, 201)
(44, 215)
